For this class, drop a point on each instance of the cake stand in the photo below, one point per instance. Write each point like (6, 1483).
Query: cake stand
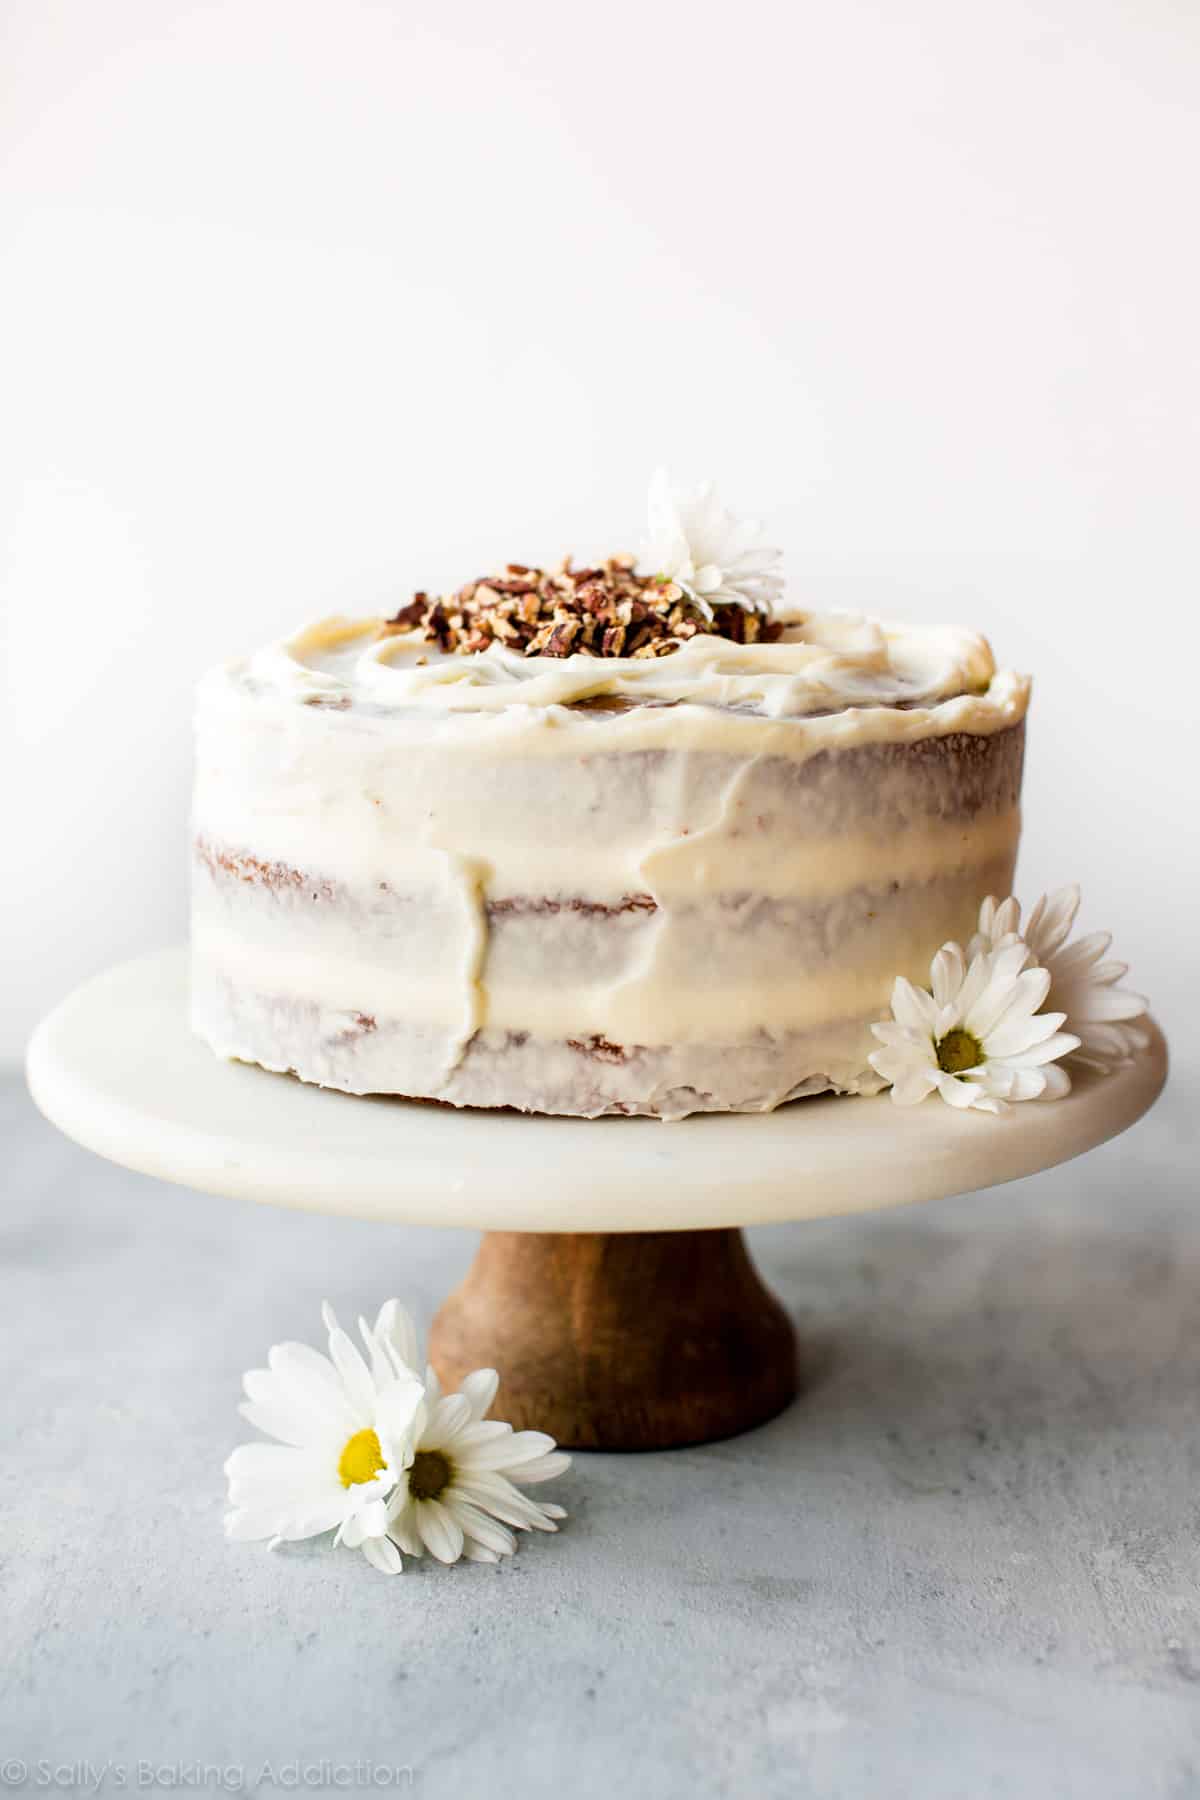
(613, 1289)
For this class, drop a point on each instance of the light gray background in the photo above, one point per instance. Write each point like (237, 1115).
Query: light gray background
(965, 1564)
(307, 303)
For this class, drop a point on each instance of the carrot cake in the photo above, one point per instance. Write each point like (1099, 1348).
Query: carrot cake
(592, 841)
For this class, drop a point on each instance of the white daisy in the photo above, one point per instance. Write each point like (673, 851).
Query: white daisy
(345, 1427)
(457, 1495)
(1082, 984)
(716, 559)
(978, 1038)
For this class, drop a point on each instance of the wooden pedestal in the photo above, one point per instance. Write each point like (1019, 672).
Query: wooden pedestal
(620, 1340)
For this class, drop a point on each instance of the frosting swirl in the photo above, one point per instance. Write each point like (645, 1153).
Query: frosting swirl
(821, 663)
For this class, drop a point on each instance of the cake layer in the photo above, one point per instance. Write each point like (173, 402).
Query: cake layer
(335, 796)
(584, 1077)
(649, 971)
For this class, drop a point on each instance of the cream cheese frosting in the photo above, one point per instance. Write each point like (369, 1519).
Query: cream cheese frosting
(821, 663)
(588, 884)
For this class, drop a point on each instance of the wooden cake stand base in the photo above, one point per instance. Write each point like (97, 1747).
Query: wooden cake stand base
(607, 1334)
(638, 1340)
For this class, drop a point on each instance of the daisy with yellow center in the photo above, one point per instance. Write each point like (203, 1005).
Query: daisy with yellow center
(459, 1495)
(977, 1038)
(345, 1426)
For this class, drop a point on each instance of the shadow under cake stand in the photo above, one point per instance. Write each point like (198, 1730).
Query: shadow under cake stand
(613, 1289)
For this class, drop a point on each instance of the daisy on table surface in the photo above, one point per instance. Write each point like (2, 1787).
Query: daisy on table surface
(370, 1449)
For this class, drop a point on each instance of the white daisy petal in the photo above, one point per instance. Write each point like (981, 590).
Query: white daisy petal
(1019, 1031)
(694, 542)
(946, 973)
(1025, 1084)
(479, 1389)
(356, 1377)
(1051, 920)
(270, 1397)
(1061, 1044)
(909, 1086)
(250, 1459)
(544, 1468)
(1104, 1004)
(447, 1419)
(309, 1382)
(290, 1357)
(311, 1520)
(509, 1504)
(281, 1422)
(441, 1534)
(383, 1555)
(979, 973)
(378, 1356)
(351, 1531)
(998, 1078)
(913, 1007)
(370, 1521)
(956, 1092)
(507, 1453)
(397, 1408)
(480, 1526)
(305, 1490)
(909, 1092)
(483, 1431)
(1007, 920)
(1083, 954)
(484, 1487)
(394, 1325)
(891, 1034)
(1006, 996)
(402, 1525)
(245, 1525)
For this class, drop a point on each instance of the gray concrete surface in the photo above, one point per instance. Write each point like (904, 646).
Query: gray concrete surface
(965, 1564)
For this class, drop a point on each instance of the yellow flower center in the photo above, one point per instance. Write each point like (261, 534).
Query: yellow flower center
(361, 1459)
(957, 1051)
(430, 1473)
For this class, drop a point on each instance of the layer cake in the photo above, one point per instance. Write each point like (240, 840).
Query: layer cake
(666, 861)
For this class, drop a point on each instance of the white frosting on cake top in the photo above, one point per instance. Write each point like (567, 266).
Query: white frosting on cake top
(823, 663)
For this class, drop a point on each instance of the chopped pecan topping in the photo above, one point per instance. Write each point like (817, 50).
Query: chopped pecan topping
(606, 611)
